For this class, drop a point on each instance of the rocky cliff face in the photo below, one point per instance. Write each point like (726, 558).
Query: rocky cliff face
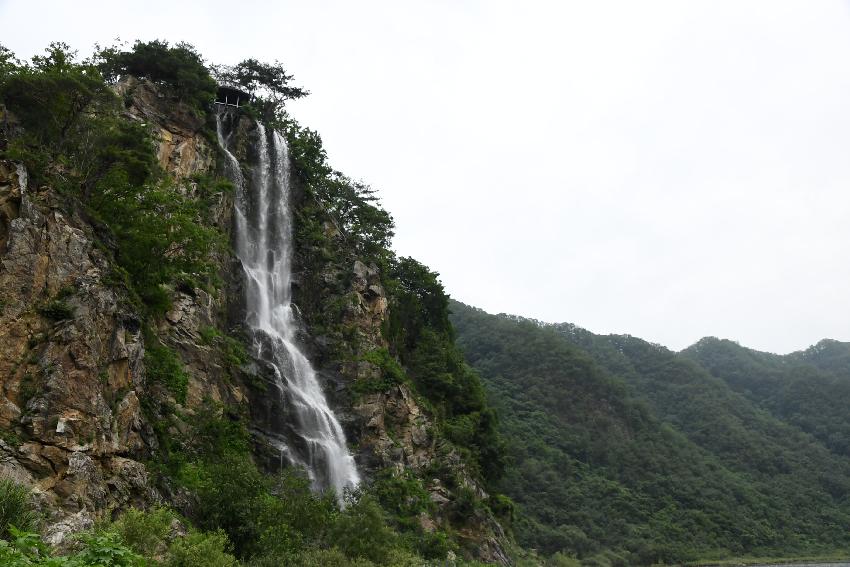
(71, 367)
(392, 429)
(73, 423)
(71, 346)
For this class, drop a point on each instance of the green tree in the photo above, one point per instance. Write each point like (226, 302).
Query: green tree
(179, 69)
(268, 84)
(361, 531)
(16, 508)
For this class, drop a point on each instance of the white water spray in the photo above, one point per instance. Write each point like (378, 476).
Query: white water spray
(22, 177)
(263, 235)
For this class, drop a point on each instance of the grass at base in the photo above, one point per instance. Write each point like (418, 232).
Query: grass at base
(743, 561)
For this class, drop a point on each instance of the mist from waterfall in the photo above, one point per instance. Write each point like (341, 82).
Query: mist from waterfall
(263, 243)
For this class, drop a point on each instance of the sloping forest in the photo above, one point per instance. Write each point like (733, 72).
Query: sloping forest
(623, 452)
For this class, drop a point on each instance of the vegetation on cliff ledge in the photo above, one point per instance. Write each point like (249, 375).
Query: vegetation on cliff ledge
(73, 137)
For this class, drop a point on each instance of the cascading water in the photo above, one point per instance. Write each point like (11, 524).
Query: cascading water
(263, 238)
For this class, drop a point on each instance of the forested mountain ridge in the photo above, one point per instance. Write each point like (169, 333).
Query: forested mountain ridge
(808, 389)
(689, 465)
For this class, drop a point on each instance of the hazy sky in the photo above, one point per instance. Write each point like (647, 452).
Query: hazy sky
(665, 169)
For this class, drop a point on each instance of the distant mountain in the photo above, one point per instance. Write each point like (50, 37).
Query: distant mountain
(808, 389)
(626, 453)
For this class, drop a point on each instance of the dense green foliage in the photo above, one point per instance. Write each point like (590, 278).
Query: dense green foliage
(96, 550)
(267, 83)
(391, 373)
(69, 88)
(160, 236)
(136, 539)
(625, 453)
(20, 546)
(238, 516)
(16, 509)
(272, 520)
(350, 207)
(56, 310)
(163, 367)
(232, 350)
(808, 389)
(178, 70)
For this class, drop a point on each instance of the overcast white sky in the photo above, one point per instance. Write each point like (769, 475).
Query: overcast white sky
(665, 169)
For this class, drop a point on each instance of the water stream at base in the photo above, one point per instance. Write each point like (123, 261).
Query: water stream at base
(263, 242)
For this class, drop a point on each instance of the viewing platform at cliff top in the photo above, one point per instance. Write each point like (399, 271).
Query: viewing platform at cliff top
(229, 95)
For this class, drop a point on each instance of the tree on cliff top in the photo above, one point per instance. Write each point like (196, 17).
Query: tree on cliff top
(179, 68)
(267, 83)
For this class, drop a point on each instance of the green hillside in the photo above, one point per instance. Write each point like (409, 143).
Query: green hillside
(627, 453)
(808, 389)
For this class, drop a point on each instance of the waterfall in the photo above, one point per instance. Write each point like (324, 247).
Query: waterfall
(22, 177)
(263, 242)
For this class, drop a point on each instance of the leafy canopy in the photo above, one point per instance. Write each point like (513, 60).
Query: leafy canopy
(267, 83)
(180, 69)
